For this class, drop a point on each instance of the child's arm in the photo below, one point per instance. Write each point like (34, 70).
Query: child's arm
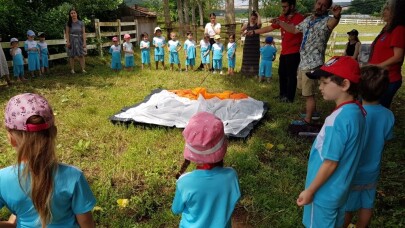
(12, 220)
(179, 47)
(85, 220)
(178, 204)
(327, 168)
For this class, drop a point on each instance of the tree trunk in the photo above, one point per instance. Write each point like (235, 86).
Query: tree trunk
(255, 5)
(180, 14)
(200, 12)
(230, 16)
(186, 15)
(167, 16)
(250, 8)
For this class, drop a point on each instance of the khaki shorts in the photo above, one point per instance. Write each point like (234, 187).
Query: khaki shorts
(308, 86)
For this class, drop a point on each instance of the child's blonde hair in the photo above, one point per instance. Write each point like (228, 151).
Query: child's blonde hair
(36, 152)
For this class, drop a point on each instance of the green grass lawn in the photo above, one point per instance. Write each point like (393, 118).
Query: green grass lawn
(139, 163)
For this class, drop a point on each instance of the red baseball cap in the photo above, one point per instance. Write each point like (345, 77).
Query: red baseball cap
(341, 66)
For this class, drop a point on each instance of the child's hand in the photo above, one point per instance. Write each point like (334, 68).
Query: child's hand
(305, 198)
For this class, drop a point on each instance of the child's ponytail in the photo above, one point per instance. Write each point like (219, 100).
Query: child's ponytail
(36, 154)
(183, 168)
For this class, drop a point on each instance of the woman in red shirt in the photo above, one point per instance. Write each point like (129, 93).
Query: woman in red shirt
(387, 50)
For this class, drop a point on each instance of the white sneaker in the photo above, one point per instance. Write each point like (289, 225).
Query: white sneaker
(221, 72)
(83, 71)
(72, 71)
(214, 72)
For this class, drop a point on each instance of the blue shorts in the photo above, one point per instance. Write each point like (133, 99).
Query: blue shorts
(265, 68)
(145, 57)
(116, 65)
(159, 58)
(174, 58)
(231, 62)
(33, 62)
(205, 59)
(316, 216)
(129, 61)
(361, 197)
(44, 61)
(18, 70)
(190, 62)
(217, 64)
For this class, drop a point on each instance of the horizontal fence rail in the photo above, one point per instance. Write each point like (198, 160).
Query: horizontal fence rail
(99, 35)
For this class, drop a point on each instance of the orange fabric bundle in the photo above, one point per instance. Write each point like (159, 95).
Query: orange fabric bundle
(193, 94)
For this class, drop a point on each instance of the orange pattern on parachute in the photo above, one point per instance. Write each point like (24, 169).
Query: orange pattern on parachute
(193, 94)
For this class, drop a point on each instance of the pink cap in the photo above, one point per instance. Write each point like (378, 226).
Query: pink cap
(205, 139)
(114, 39)
(21, 107)
(127, 36)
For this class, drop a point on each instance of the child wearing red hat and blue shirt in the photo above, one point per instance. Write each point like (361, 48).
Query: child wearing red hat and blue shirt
(206, 197)
(336, 151)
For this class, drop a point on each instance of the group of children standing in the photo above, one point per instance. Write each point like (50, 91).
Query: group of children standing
(173, 47)
(37, 52)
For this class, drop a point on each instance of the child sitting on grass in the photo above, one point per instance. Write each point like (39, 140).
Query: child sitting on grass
(380, 123)
(206, 197)
(336, 151)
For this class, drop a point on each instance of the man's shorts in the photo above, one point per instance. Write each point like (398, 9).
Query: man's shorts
(316, 216)
(361, 196)
(305, 84)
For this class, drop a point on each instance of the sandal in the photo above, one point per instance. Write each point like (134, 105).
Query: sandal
(301, 122)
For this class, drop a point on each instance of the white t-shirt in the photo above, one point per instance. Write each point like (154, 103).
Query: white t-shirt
(204, 45)
(127, 47)
(211, 29)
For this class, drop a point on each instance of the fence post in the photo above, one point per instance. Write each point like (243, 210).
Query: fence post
(98, 36)
(137, 35)
(332, 43)
(119, 30)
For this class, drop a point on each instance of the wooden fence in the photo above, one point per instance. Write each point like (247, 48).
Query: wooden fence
(99, 38)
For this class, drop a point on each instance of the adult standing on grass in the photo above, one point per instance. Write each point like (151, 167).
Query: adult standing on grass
(251, 46)
(3, 66)
(212, 28)
(316, 30)
(75, 40)
(290, 50)
(387, 50)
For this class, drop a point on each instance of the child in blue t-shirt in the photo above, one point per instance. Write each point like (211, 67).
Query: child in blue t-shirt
(231, 54)
(268, 55)
(144, 45)
(159, 42)
(38, 190)
(336, 151)
(189, 48)
(115, 51)
(32, 48)
(205, 197)
(44, 53)
(18, 60)
(205, 51)
(174, 46)
(217, 52)
(128, 49)
(380, 123)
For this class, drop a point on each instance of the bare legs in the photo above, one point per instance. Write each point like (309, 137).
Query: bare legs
(81, 61)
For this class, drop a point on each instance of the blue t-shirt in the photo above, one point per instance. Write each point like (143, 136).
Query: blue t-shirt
(268, 52)
(217, 50)
(173, 45)
(380, 124)
(18, 58)
(231, 50)
(160, 41)
(71, 196)
(206, 198)
(341, 139)
(189, 47)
